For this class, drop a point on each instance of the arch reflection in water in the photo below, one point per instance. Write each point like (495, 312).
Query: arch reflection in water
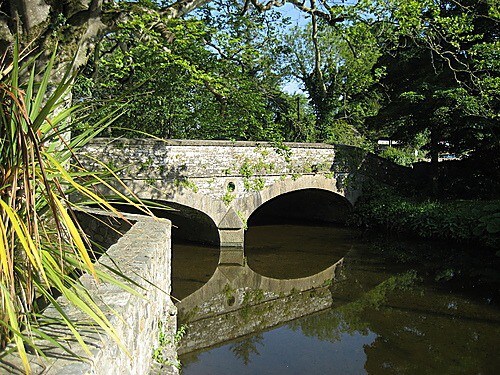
(391, 314)
(237, 301)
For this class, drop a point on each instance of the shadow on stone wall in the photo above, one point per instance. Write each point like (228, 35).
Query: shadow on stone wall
(187, 223)
(102, 230)
(354, 160)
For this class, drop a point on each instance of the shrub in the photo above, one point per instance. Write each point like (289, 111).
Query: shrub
(382, 207)
(401, 156)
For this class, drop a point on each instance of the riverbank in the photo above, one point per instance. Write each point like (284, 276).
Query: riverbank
(474, 221)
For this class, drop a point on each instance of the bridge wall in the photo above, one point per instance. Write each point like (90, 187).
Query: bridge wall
(225, 180)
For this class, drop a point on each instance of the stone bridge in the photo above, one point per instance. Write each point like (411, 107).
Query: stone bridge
(215, 187)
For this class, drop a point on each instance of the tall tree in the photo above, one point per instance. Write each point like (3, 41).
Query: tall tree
(336, 77)
(216, 79)
(442, 78)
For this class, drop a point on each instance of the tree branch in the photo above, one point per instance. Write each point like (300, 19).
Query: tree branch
(313, 10)
(317, 53)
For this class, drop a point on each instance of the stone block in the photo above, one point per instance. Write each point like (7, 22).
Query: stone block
(232, 237)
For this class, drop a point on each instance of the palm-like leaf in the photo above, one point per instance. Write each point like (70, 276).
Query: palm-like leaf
(40, 242)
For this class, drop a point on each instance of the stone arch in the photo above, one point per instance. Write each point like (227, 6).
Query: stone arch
(159, 190)
(229, 224)
(249, 204)
(190, 224)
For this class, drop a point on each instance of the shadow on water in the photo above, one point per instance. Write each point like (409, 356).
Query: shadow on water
(192, 266)
(394, 307)
(194, 235)
(290, 251)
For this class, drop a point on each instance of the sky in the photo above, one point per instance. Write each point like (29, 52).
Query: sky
(297, 17)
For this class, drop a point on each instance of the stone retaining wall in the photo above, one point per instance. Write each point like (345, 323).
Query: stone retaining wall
(143, 253)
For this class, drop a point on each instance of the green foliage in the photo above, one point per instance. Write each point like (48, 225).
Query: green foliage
(249, 168)
(209, 77)
(402, 69)
(41, 244)
(349, 159)
(402, 156)
(243, 219)
(456, 220)
(340, 96)
(228, 197)
(246, 168)
(440, 73)
(186, 183)
(341, 132)
(166, 341)
(228, 292)
(489, 222)
(253, 184)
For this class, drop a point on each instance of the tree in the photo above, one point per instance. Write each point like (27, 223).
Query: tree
(82, 27)
(337, 87)
(216, 79)
(440, 79)
(79, 25)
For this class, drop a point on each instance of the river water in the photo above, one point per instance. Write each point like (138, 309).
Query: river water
(325, 300)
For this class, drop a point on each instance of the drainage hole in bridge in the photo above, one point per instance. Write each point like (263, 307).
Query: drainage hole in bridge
(231, 300)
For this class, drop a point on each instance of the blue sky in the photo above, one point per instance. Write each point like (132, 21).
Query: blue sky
(298, 18)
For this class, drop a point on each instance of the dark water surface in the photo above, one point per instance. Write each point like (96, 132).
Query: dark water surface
(392, 307)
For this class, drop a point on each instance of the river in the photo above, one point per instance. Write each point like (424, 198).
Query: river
(326, 300)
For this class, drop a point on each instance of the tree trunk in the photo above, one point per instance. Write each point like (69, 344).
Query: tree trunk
(75, 25)
(434, 151)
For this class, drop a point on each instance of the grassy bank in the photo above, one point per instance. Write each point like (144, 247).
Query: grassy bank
(471, 221)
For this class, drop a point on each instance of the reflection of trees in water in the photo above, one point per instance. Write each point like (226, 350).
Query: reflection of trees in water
(244, 348)
(443, 261)
(414, 342)
(416, 332)
(415, 326)
(350, 318)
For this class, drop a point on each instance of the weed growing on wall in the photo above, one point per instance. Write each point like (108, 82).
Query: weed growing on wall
(165, 341)
(186, 183)
(241, 215)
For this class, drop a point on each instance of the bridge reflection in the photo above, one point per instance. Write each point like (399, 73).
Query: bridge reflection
(237, 301)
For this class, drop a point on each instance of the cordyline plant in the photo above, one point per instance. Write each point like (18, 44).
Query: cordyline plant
(42, 246)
